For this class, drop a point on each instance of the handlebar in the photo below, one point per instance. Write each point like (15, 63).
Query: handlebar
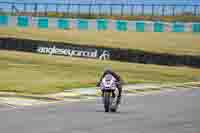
(118, 83)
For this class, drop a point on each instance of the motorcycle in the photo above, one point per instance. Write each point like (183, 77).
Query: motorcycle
(110, 93)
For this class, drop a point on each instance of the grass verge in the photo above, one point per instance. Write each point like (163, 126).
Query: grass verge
(40, 74)
(173, 43)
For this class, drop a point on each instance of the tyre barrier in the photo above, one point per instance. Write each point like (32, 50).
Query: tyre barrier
(96, 52)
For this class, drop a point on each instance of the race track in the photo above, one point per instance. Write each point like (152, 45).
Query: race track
(167, 112)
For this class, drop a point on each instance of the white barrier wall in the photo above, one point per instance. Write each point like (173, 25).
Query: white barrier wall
(98, 24)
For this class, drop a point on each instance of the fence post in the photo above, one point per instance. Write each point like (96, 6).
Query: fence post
(68, 6)
(122, 9)
(173, 10)
(35, 9)
(183, 11)
(111, 10)
(142, 9)
(132, 9)
(152, 10)
(99, 13)
(79, 9)
(25, 5)
(12, 10)
(195, 10)
(163, 10)
(46, 7)
(56, 9)
(90, 6)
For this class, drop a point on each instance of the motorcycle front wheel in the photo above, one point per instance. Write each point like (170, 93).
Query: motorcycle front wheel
(107, 101)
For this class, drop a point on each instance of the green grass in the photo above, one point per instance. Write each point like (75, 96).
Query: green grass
(39, 74)
(173, 43)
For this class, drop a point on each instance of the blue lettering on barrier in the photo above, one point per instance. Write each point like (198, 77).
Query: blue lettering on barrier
(140, 26)
(196, 27)
(63, 24)
(158, 27)
(3, 20)
(102, 24)
(178, 27)
(82, 24)
(43, 23)
(121, 25)
(22, 21)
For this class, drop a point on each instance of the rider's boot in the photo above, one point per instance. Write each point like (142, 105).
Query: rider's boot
(113, 94)
(118, 99)
(102, 96)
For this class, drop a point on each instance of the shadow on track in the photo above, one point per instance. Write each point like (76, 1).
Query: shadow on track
(115, 113)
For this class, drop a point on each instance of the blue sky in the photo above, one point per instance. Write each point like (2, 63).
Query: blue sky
(112, 1)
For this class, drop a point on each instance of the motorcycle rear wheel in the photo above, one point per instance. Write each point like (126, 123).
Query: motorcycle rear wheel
(113, 110)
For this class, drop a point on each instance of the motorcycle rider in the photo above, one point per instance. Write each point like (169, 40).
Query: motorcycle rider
(118, 84)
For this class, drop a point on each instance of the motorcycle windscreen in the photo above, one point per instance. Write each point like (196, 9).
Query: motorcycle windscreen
(108, 82)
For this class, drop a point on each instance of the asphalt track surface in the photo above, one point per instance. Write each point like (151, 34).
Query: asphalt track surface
(166, 112)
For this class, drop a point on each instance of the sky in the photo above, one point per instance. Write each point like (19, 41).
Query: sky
(110, 1)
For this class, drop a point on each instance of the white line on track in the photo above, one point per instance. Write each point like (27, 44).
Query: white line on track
(8, 105)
